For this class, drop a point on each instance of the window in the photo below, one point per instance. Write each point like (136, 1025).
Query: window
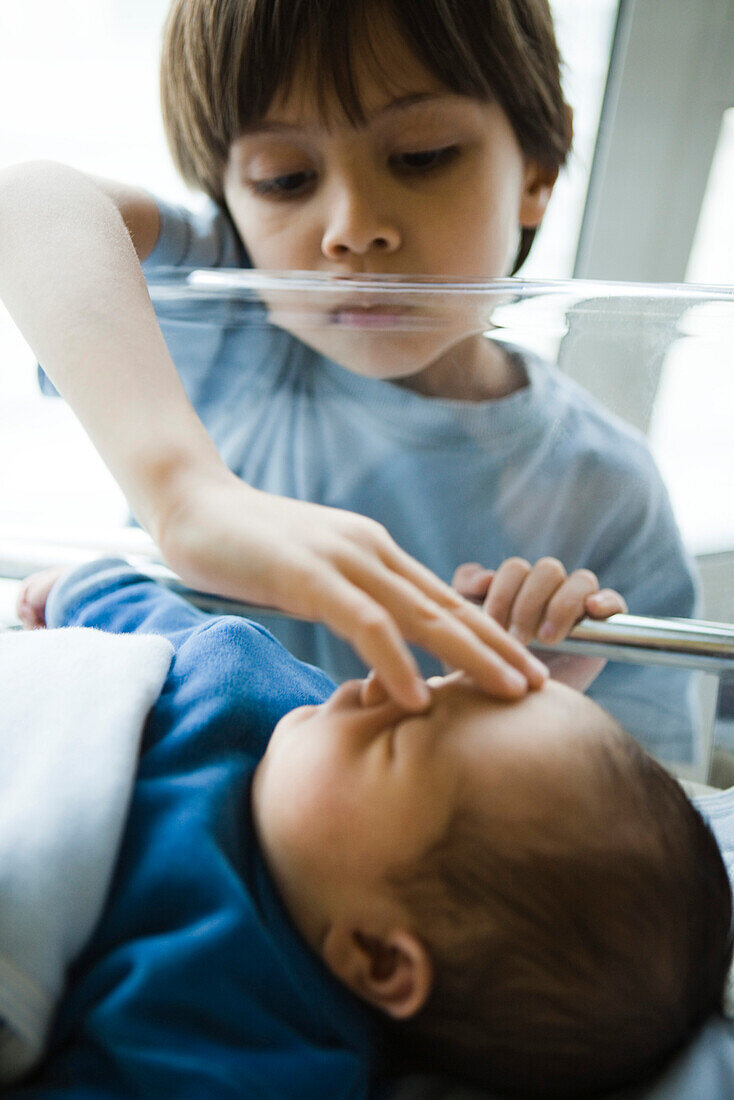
(690, 432)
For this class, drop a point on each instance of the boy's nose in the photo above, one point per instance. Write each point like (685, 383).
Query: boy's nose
(355, 226)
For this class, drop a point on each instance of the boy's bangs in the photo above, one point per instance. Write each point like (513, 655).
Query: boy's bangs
(493, 51)
(225, 62)
(327, 46)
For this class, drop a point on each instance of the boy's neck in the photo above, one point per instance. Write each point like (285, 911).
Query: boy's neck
(477, 369)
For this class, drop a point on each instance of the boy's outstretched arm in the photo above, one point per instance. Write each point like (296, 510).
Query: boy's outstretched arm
(71, 278)
(542, 603)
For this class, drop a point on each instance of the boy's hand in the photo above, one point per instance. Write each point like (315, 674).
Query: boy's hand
(344, 570)
(30, 606)
(542, 603)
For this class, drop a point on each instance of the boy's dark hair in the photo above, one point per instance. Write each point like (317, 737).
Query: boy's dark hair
(578, 957)
(223, 62)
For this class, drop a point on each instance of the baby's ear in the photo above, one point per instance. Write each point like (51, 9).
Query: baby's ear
(393, 971)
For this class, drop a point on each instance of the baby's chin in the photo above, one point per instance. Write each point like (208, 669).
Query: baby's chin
(288, 725)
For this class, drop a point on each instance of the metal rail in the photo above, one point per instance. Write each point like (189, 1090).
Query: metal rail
(685, 643)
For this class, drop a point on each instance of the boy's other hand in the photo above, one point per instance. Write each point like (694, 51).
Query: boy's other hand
(344, 570)
(30, 605)
(542, 603)
(538, 602)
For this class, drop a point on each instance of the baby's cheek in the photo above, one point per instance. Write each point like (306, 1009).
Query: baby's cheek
(311, 811)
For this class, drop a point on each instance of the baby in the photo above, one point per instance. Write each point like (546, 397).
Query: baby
(516, 893)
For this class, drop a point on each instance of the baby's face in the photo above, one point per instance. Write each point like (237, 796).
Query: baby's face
(353, 789)
(434, 184)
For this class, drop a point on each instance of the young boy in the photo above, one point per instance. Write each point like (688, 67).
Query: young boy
(509, 892)
(346, 138)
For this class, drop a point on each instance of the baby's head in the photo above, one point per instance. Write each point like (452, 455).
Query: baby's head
(529, 899)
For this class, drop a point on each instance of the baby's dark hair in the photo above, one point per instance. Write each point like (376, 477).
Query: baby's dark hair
(578, 955)
(223, 62)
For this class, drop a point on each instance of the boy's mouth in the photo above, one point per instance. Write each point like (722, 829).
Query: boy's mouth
(352, 315)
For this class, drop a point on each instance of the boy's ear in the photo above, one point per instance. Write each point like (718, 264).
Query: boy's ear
(537, 190)
(538, 185)
(391, 971)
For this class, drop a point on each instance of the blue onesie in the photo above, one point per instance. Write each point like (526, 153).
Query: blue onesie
(196, 983)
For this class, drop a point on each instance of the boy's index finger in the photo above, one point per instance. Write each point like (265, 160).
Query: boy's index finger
(472, 581)
(373, 633)
(463, 636)
(445, 635)
(503, 675)
(503, 644)
(465, 639)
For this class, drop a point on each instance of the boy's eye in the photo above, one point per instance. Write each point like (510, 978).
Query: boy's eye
(283, 186)
(293, 184)
(425, 160)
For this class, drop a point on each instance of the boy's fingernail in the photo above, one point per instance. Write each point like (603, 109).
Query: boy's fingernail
(421, 693)
(516, 679)
(605, 605)
(546, 633)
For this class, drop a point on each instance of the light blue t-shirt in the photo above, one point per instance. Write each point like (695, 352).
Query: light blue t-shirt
(543, 471)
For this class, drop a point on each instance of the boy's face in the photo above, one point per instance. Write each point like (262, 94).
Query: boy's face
(350, 791)
(433, 184)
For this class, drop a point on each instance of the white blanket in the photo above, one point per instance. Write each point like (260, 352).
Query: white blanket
(73, 704)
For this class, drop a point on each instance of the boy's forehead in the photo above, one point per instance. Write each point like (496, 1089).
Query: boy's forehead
(301, 114)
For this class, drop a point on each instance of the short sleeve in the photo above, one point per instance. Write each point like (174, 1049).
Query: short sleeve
(187, 238)
(202, 238)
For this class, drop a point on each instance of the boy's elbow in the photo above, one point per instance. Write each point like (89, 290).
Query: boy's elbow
(50, 183)
(138, 211)
(37, 184)
(32, 173)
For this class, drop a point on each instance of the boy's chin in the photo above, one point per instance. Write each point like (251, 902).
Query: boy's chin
(382, 354)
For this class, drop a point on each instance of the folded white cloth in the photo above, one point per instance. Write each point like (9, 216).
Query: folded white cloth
(73, 705)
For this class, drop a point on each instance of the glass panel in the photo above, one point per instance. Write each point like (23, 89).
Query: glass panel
(712, 257)
(692, 414)
(540, 471)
